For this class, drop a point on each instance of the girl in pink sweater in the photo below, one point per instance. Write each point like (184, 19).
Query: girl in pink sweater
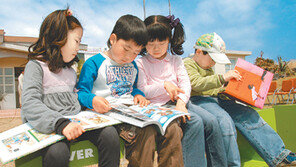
(164, 80)
(162, 76)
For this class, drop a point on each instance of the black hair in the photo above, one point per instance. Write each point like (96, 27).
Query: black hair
(203, 52)
(160, 27)
(52, 37)
(129, 27)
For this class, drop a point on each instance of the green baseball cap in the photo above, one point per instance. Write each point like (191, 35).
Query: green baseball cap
(214, 45)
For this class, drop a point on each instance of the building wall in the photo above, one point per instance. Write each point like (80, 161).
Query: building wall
(219, 68)
(11, 64)
(14, 62)
(9, 53)
(222, 69)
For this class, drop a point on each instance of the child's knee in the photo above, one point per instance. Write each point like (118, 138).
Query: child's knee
(195, 122)
(174, 131)
(149, 130)
(57, 154)
(109, 132)
(211, 124)
(147, 134)
(110, 136)
(227, 127)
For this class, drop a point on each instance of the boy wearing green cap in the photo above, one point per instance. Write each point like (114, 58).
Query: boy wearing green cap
(206, 89)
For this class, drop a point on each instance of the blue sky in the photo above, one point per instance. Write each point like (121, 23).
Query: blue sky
(247, 25)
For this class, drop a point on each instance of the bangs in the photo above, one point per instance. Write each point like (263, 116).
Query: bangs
(158, 32)
(139, 36)
(130, 27)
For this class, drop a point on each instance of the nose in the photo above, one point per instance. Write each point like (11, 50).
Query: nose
(156, 47)
(213, 63)
(131, 57)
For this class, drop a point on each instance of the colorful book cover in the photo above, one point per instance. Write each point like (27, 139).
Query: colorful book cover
(23, 139)
(253, 87)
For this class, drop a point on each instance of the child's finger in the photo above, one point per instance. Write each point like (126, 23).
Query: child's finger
(142, 103)
(136, 100)
(107, 104)
(175, 93)
(109, 107)
(81, 129)
(184, 119)
(171, 96)
(180, 90)
(104, 100)
(67, 136)
(238, 77)
(147, 102)
(236, 71)
(75, 134)
(188, 117)
(105, 108)
(79, 133)
(70, 136)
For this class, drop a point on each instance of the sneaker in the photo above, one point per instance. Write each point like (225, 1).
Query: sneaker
(290, 160)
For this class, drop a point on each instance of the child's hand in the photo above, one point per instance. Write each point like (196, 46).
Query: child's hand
(72, 131)
(232, 74)
(141, 100)
(181, 106)
(172, 90)
(101, 105)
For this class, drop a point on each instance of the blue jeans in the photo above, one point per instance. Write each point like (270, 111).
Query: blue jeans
(193, 141)
(193, 144)
(260, 135)
(221, 141)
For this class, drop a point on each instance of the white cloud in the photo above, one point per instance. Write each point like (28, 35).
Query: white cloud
(240, 23)
(23, 18)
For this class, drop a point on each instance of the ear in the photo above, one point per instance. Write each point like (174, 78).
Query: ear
(113, 38)
(197, 54)
(198, 51)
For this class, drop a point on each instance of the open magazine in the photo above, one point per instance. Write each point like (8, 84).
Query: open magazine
(144, 116)
(23, 140)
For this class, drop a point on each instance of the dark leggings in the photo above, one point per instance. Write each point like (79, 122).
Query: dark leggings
(106, 140)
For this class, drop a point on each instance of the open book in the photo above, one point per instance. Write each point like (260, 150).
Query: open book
(23, 140)
(144, 116)
(254, 85)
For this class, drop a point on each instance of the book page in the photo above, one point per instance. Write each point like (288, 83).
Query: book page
(164, 116)
(124, 114)
(90, 120)
(22, 140)
(143, 116)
